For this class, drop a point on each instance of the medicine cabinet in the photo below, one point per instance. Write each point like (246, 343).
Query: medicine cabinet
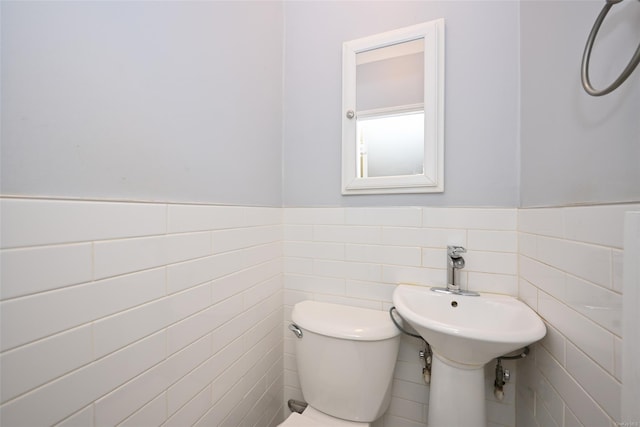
(393, 111)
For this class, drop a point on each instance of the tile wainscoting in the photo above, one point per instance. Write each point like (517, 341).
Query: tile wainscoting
(356, 256)
(172, 314)
(571, 273)
(140, 314)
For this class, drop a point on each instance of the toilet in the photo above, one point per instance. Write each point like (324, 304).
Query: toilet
(345, 358)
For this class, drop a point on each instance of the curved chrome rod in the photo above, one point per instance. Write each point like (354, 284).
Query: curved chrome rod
(635, 59)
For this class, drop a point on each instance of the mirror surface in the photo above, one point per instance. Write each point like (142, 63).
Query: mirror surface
(392, 101)
(390, 110)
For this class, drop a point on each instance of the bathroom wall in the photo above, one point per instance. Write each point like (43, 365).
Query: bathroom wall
(141, 279)
(357, 256)
(338, 252)
(571, 273)
(568, 148)
(154, 101)
(481, 91)
(576, 149)
(139, 314)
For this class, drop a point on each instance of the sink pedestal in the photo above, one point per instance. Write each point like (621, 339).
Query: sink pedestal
(456, 396)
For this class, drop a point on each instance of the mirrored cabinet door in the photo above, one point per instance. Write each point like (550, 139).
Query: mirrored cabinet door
(393, 86)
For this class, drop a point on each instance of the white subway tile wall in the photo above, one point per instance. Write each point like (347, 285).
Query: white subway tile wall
(356, 256)
(140, 314)
(571, 274)
(137, 314)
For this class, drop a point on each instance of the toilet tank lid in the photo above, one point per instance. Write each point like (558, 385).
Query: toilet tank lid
(341, 321)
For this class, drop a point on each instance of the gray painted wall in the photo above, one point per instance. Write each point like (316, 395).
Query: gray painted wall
(162, 101)
(184, 101)
(481, 96)
(577, 149)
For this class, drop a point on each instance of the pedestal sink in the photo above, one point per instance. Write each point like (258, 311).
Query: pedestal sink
(465, 332)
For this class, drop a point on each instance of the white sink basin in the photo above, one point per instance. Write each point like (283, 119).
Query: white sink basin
(470, 330)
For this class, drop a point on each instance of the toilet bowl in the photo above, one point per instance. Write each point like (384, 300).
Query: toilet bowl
(345, 358)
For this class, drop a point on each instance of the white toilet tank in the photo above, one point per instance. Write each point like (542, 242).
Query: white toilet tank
(345, 358)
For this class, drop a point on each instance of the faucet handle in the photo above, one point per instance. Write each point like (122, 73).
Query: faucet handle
(455, 251)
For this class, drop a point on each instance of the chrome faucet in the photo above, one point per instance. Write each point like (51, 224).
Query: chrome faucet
(455, 262)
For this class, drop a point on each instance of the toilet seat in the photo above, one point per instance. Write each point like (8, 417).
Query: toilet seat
(313, 418)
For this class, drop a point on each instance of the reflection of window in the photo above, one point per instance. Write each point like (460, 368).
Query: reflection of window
(390, 143)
